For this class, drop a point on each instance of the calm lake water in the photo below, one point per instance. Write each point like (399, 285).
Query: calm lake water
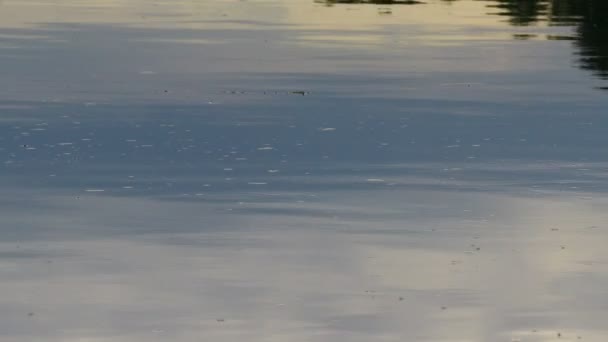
(299, 170)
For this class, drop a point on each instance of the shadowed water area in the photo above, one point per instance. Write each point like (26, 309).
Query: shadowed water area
(303, 170)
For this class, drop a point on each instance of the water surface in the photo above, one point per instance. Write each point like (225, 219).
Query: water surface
(303, 170)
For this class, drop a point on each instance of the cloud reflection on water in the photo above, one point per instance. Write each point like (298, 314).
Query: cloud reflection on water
(296, 278)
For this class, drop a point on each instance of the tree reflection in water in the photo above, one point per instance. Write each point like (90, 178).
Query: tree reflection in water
(589, 18)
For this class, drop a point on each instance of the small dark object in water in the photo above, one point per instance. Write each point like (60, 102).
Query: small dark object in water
(30, 314)
(375, 2)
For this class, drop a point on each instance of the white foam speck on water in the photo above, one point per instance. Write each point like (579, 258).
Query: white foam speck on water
(257, 183)
(273, 171)
(327, 129)
(65, 144)
(94, 190)
(265, 148)
(375, 180)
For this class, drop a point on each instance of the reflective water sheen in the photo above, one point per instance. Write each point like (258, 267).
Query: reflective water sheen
(299, 170)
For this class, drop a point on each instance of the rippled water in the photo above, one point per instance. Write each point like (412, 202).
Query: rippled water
(298, 170)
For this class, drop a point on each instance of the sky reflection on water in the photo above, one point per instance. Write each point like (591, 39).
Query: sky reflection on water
(303, 171)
